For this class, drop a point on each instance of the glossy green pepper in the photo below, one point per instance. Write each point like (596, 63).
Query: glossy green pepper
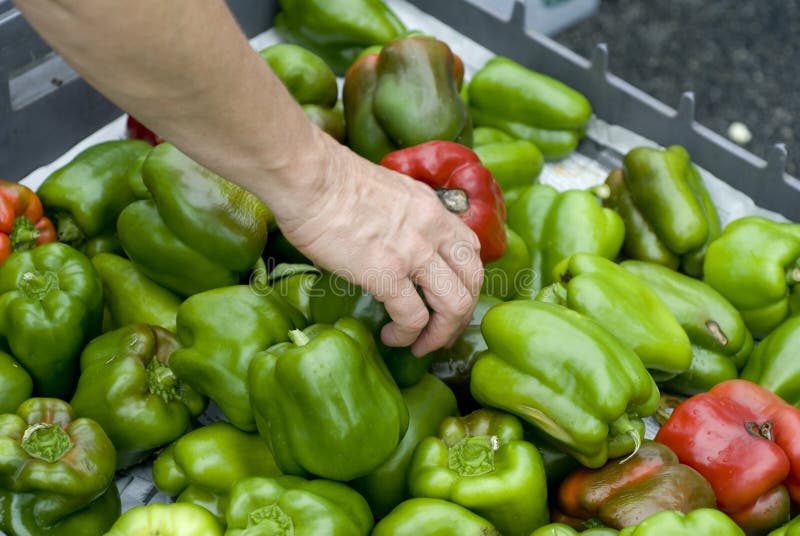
(555, 225)
(178, 519)
(218, 348)
(292, 505)
(85, 197)
(331, 30)
(127, 386)
(481, 462)
(198, 232)
(624, 305)
(774, 365)
(566, 375)
(311, 82)
(529, 105)
(700, 521)
(433, 517)
(203, 466)
(402, 97)
(509, 276)
(720, 341)
(325, 402)
(15, 384)
(53, 466)
(755, 264)
(295, 283)
(514, 163)
(51, 304)
(131, 297)
(792, 528)
(428, 403)
(560, 529)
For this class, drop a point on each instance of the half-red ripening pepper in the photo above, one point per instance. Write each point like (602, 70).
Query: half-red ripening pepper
(464, 186)
(23, 225)
(134, 130)
(746, 441)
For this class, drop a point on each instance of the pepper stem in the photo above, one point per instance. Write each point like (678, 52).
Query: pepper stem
(298, 337)
(793, 275)
(162, 382)
(272, 519)
(601, 191)
(473, 455)
(37, 285)
(24, 235)
(454, 200)
(623, 425)
(47, 442)
(717, 332)
(68, 230)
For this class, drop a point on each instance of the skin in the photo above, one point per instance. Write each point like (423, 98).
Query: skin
(185, 70)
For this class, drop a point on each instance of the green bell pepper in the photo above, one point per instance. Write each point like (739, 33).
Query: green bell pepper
(720, 341)
(509, 276)
(481, 462)
(218, 348)
(755, 264)
(428, 403)
(131, 297)
(325, 402)
(85, 197)
(540, 354)
(668, 214)
(792, 528)
(624, 305)
(128, 387)
(560, 529)
(514, 163)
(555, 225)
(774, 364)
(202, 466)
(433, 517)
(51, 304)
(529, 105)
(332, 30)
(312, 84)
(700, 521)
(178, 519)
(404, 96)
(198, 232)
(15, 384)
(53, 466)
(290, 505)
(557, 463)
(295, 284)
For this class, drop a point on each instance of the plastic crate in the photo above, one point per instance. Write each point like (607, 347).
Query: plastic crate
(43, 112)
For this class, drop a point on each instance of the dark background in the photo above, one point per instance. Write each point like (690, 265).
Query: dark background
(741, 59)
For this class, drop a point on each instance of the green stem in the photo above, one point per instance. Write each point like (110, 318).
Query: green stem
(716, 332)
(37, 285)
(298, 337)
(473, 455)
(621, 426)
(68, 230)
(793, 275)
(162, 382)
(24, 235)
(47, 442)
(271, 520)
(455, 200)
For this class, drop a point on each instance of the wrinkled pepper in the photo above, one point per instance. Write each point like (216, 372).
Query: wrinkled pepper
(312, 84)
(555, 225)
(292, 505)
(85, 197)
(755, 264)
(428, 403)
(331, 30)
(128, 387)
(625, 493)
(325, 402)
(433, 517)
(23, 225)
(465, 187)
(217, 349)
(746, 441)
(514, 163)
(774, 365)
(538, 354)
(202, 466)
(198, 232)
(529, 105)
(720, 341)
(482, 462)
(404, 96)
(701, 521)
(624, 305)
(15, 384)
(51, 304)
(668, 214)
(55, 471)
(177, 519)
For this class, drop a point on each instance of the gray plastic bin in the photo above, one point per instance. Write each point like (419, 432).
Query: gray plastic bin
(42, 113)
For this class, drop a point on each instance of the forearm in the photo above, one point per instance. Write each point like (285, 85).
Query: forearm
(184, 69)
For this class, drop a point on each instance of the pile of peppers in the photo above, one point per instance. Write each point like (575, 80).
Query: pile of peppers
(153, 318)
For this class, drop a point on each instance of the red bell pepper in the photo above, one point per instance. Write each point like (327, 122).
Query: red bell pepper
(23, 225)
(464, 186)
(746, 441)
(137, 131)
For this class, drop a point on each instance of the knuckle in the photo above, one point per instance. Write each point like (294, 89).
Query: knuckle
(417, 320)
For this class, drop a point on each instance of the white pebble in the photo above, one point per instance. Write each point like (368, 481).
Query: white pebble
(739, 133)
